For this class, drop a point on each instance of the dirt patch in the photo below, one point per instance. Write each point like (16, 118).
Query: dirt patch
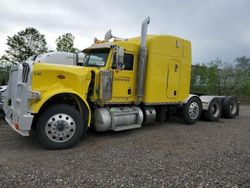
(170, 155)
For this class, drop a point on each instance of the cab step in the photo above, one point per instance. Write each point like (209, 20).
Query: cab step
(125, 127)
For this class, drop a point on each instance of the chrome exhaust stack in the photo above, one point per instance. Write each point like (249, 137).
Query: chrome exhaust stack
(142, 60)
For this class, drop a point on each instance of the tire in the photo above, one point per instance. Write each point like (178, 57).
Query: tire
(230, 107)
(214, 110)
(191, 111)
(60, 127)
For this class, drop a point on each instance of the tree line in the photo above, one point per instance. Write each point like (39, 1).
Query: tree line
(215, 77)
(27, 43)
(220, 78)
(30, 41)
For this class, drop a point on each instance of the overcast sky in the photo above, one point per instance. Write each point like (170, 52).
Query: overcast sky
(216, 28)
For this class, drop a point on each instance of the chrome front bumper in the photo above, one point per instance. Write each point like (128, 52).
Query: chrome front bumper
(16, 104)
(22, 125)
(1, 105)
(1, 101)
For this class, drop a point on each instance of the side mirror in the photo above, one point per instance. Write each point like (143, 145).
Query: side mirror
(119, 57)
(79, 58)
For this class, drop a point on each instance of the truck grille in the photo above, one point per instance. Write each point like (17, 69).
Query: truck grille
(2, 96)
(26, 69)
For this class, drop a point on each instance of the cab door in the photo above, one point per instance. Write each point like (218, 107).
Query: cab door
(173, 78)
(123, 80)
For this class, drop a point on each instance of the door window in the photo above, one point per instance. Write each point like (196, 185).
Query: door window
(128, 62)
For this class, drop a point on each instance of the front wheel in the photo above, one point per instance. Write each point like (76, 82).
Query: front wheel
(60, 127)
(191, 111)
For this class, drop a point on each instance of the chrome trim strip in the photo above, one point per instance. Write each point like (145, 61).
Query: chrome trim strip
(161, 103)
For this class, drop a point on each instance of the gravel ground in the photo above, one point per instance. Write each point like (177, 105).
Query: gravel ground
(157, 155)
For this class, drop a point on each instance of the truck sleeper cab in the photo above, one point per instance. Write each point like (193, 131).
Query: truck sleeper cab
(117, 86)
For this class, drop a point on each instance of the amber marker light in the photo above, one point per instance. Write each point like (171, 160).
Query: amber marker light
(17, 126)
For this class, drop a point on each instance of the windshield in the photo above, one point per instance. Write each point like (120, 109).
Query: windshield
(96, 57)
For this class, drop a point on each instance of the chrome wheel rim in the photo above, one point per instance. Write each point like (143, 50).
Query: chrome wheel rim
(215, 110)
(60, 128)
(233, 107)
(194, 110)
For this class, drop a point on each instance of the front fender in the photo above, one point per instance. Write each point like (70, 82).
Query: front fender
(37, 105)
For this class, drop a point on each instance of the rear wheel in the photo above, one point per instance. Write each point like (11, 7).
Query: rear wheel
(214, 110)
(60, 127)
(191, 111)
(230, 107)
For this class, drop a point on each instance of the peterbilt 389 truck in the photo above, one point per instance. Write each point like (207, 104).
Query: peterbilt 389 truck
(117, 85)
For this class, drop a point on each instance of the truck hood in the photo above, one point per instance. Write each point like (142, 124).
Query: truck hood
(48, 78)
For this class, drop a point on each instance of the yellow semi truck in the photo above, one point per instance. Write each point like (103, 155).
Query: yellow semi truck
(118, 85)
